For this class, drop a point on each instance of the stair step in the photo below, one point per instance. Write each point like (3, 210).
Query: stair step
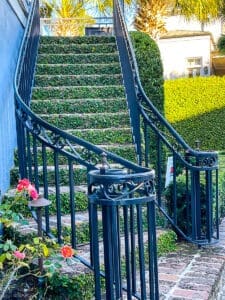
(124, 150)
(104, 136)
(77, 48)
(57, 106)
(72, 58)
(100, 120)
(77, 80)
(76, 40)
(78, 69)
(68, 92)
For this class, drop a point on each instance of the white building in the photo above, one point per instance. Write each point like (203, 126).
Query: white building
(186, 50)
(186, 53)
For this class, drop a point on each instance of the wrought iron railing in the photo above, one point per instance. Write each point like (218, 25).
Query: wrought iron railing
(190, 202)
(50, 158)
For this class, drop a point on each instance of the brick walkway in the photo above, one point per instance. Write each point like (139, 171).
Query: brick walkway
(188, 273)
(193, 273)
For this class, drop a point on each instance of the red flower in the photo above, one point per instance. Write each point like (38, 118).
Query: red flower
(19, 255)
(67, 251)
(23, 184)
(32, 192)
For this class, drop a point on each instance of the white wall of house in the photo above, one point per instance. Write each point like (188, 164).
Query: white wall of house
(179, 23)
(186, 56)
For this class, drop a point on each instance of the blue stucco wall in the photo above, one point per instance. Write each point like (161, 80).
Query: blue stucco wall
(11, 32)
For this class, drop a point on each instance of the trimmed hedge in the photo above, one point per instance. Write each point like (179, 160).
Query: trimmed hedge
(196, 108)
(150, 67)
(77, 40)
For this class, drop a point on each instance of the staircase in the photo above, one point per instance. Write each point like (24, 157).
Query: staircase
(79, 89)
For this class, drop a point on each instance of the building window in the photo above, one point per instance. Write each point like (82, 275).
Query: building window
(194, 66)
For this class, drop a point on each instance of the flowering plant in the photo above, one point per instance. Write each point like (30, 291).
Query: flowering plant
(14, 256)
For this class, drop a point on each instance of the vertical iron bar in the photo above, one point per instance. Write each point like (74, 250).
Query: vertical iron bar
(133, 260)
(45, 184)
(95, 250)
(116, 252)
(36, 180)
(108, 251)
(152, 246)
(21, 148)
(29, 157)
(217, 204)
(141, 251)
(187, 196)
(147, 143)
(159, 175)
(193, 207)
(72, 205)
(174, 189)
(57, 196)
(127, 252)
(208, 203)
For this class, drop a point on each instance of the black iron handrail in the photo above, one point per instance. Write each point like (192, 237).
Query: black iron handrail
(37, 139)
(199, 168)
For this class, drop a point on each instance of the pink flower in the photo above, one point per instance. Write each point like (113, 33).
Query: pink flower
(67, 251)
(19, 255)
(23, 184)
(32, 192)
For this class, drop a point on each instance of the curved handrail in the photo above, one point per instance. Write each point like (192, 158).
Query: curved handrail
(211, 157)
(198, 168)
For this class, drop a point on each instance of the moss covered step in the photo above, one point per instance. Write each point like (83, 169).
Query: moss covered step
(77, 80)
(69, 92)
(78, 58)
(78, 69)
(125, 151)
(77, 40)
(57, 106)
(79, 176)
(86, 121)
(75, 48)
(104, 136)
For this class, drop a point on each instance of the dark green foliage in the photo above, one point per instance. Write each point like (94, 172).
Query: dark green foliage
(77, 49)
(195, 107)
(77, 58)
(73, 80)
(88, 121)
(57, 106)
(77, 40)
(77, 92)
(208, 128)
(150, 67)
(77, 287)
(80, 204)
(151, 76)
(183, 203)
(221, 44)
(71, 69)
(166, 243)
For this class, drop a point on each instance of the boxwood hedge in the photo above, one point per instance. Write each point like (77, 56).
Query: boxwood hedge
(150, 67)
(196, 108)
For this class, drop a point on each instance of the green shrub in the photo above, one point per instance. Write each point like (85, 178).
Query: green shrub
(150, 67)
(221, 44)
(151, 76)
(183, 203)
(166, 243)
(195, 107)
(65, 286)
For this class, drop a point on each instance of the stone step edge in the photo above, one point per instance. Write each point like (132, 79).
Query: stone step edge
(78, 76)
(84, 114)
(77, 45)
(79, 99)
(76, 87)
(89, 65)
(114, 53)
